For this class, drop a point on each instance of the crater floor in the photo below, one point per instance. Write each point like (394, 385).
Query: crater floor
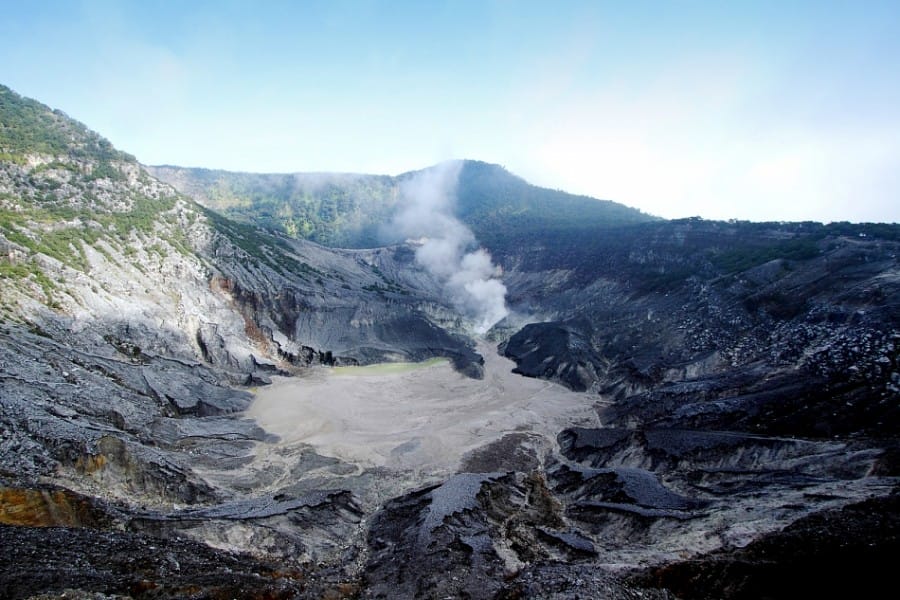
(423, 419)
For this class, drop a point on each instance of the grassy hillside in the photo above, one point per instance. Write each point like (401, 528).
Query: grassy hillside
(65, 193)
(29, 127)
(73, 209)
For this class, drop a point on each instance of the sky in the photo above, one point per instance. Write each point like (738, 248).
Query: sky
(764, 111)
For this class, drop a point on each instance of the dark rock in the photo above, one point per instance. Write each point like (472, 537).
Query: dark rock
(53, 559)
(621, 488)
(560, 581)
(512, 452)
(832, 554)
(558, 351)
(594, 446)
(443, 541)
(571, 541)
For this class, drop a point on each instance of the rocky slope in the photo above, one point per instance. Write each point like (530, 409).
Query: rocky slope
(788, 330)
(746, 376)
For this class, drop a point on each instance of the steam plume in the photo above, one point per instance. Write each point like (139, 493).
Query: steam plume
(449, 249)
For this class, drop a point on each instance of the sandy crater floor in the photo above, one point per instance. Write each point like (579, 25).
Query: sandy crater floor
(422, 417)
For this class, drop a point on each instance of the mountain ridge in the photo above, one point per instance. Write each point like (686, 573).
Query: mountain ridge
(351, 210)
(30, 126)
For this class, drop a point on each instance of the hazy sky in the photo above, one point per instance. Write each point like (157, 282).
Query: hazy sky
(753, 110)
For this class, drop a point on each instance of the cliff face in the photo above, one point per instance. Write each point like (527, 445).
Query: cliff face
(127, 252)
(745, 375)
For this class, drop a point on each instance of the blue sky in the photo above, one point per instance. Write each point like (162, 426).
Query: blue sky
(751, 110)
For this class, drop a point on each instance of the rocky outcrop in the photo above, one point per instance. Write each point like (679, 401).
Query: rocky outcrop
(49, 506)
(466, 536)
(557, 351)
(100, 419)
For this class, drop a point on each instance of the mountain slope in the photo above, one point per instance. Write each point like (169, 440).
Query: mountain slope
(495, 203)
(80, 226)
(338, 210)
(354, 210)
(790, 329)
(29, 127)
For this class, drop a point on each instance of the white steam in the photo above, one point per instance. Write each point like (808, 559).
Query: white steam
(448, 248)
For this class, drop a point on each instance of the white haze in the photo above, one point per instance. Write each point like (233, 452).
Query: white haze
(448, 248)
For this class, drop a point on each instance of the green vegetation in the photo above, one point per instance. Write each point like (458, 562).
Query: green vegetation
(62, 231)
(59, 211)
(29, 270)
(43, 220)
(18, 159)
(66, 245)
(351, 211)
(261, 245)
(56, 164)
(661, 256)
(746, 257)
(159, 250)
(106, 170)
(884, 231)
(27, 126)
(497, 204)
(143, 216)
(331, 209)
